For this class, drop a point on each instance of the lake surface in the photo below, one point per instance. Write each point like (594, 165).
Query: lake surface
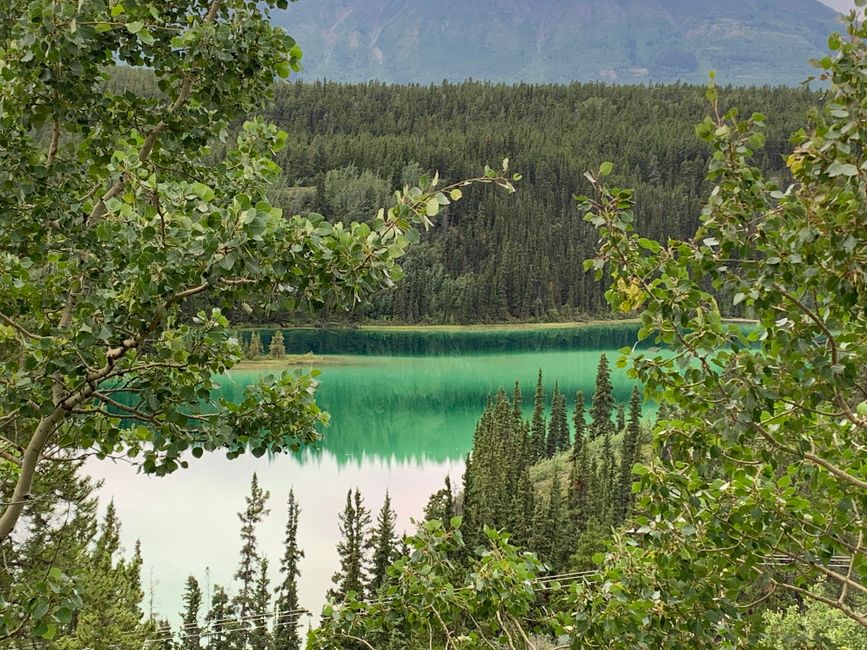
(404, 405)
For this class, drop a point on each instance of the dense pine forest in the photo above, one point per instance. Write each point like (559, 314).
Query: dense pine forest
(495, 258)
(492, 257)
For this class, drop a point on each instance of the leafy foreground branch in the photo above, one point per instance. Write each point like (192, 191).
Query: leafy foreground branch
(116, 221)
(767, 453)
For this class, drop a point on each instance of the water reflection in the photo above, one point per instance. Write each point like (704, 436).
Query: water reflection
(402, 419)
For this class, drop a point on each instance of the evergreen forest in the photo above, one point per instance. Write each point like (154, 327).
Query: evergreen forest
(171, 208)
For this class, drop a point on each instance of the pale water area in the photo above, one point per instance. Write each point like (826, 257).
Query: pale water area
(404, 406)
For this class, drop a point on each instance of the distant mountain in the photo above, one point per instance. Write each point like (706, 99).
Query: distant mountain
(623, 41)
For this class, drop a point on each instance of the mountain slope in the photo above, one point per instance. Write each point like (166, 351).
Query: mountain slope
(625, 41)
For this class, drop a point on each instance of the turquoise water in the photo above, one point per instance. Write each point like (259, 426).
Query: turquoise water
(403, 406)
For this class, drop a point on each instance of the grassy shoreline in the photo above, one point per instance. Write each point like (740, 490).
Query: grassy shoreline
(475, 327)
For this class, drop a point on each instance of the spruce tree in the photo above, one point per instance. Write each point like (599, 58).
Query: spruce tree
(555, 525)
(603, 400)
(621, 419)
(558, 418)
(441, 504)
(254, 348)
(608, 481)
(111, 591)
(630, 452)
(191, 631)
(221, 622)
(518, 401)
(250, 562)
(384, 544)
(579, 422)
(277, 348)
(259, 624)
(286, 636)
(537, 426)
(352, 548)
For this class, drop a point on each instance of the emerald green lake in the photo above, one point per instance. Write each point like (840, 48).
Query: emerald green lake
(403, 404)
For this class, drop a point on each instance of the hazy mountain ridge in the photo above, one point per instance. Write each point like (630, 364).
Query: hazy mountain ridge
(623, 41)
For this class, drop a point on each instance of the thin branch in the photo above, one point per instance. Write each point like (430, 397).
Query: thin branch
(20, 328)
(842, 607)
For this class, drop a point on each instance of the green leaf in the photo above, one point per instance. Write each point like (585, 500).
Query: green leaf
(134, 27)
(606, 168)
(842, 169)
(432, 208)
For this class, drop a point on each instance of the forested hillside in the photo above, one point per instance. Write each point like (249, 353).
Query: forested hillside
(628, 41)
(497, 257)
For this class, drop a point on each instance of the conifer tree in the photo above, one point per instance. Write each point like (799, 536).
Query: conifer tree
(518, 401)
(259, 624)
(621, 419)
(537, 426)
(608, 481)
(221, 622)
(579, 422)
(560, 417)
(441, 504)
(191, 631)
(556, 533)
(162, 636)
(603, 400)
(250, 563)
(352, 548)
(254, 348)
(630, 453)
(286, 636)
(384, 544)
(112, 593)
(277, 348)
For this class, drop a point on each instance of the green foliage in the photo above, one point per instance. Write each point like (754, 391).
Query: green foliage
(111, 595)
(762, 456)
(436, 599)
(815, 625)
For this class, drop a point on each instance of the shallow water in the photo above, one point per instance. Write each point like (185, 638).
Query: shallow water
(403, 405)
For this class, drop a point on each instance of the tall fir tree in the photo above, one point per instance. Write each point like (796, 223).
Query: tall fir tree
(352, 548)
(221, 622)
(621, 419)
(250, 562)
(191, 631)
(384, 544)
(579, 422)
(254, 347)
(603, 400)
(286, 635)
(630, 453)
(537, 424)
(261, 614)
(277, 348)
(559, 423)
(518, 401)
